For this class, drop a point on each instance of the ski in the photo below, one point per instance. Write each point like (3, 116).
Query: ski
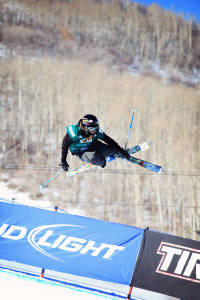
(145, 164)
(72, 172)
(135, 149)
(138, 148)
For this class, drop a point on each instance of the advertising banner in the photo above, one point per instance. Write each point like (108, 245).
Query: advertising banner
(169, 265)
(67, 243)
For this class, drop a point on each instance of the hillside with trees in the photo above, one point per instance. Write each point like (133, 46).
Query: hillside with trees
(62, 59)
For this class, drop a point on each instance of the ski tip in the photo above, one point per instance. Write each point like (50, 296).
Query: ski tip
(42, 187)
(144, 146)
(148, 145)
(160, 171)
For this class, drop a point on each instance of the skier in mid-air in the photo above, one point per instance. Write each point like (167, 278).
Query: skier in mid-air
(89, 143)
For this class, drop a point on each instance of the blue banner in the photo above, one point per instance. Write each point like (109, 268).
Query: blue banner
(68, 243)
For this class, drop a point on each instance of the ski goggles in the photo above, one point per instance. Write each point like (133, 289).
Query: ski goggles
(92, 129)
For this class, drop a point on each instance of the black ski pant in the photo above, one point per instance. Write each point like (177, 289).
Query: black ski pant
(97, 153)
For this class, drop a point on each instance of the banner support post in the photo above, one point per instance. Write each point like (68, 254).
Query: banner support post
(129, 293)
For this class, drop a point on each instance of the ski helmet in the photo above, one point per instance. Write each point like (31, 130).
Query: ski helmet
(89, 124)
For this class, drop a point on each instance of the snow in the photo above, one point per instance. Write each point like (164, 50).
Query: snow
(3, 50)
(167, 75)
(21, 287)
(22, 198)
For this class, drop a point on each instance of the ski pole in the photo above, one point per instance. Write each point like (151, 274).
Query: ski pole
(50, 179)
(134, 110)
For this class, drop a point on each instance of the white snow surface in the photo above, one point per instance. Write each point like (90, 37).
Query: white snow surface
(22, 198)
(20, 287)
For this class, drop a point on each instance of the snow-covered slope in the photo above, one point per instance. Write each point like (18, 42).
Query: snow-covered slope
(19, 287)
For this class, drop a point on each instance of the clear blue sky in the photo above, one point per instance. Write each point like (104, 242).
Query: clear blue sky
(188, 7)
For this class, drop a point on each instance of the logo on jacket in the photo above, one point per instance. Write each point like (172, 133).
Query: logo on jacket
(179, 261)
(86, 140)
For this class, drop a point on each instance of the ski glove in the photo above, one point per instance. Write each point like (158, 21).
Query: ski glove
(64, 165)
(125, 153)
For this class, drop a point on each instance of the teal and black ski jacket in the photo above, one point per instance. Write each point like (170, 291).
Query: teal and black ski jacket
(77, 142)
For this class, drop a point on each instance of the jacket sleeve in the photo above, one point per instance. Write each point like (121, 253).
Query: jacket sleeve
(110, 142)
(65, 146)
